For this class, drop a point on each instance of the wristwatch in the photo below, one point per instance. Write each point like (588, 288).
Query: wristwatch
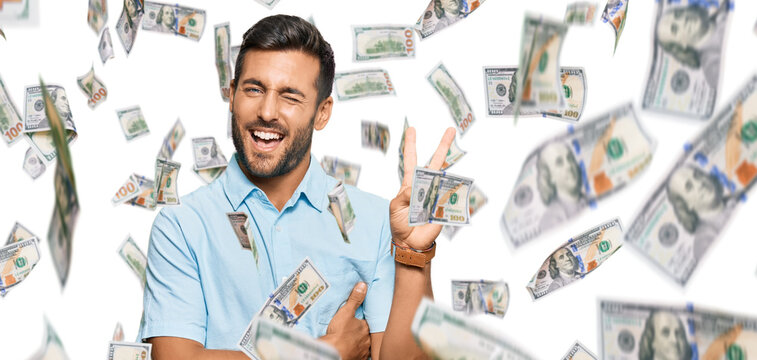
(413, 257)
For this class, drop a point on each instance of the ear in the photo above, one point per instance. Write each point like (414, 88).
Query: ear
(323, 113)
(232, 91)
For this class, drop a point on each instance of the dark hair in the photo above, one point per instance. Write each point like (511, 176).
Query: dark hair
(286, 32)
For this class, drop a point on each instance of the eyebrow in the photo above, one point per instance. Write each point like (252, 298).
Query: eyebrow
(286, 89)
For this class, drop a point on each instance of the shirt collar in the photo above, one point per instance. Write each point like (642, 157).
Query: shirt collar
(315, 186)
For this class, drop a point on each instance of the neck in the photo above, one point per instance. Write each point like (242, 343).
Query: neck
(279, 189)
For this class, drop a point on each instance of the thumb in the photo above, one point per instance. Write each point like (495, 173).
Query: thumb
(356, 297)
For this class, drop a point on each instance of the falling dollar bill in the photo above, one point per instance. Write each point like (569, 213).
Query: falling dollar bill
(128, 23)
(374, 135)
(166, 189)
(33, 165)
(233, 55)
(445, 335)
(172, 140)
(687, 212)
(66, 206)
(134, 257)
(476, 200)
(52, 347)
(580, 13)
(119, 350)
(240, 222)
(539, 86)
(268, 3)
(401, 168)
(132, 122)
(223, 42)
(451, 93)
(19, 233)
(687, 52)
(273, 341)
(209, 175)
(501, 88)
(454, 154)
(11, 124)
(439, 198)
(105, 48)
(37, 123)
(378, 42)
(570, 172)
(440, 14)
(118, 333)
(288, 303)
(579, 352)
(648, 331)
(174, 19)
(93, 88)
(97, 14)
(576, 258)
(207, 154)
(17, 260)
(615, 14)
(480, 297)
(362, 83)
(129, 190)
(146, 198)
(341, 208)
(342, 170)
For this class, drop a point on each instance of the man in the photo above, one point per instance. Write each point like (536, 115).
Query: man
(664, 338)
(448, 12)
(203, 288)
(59, 98)
(166, 19)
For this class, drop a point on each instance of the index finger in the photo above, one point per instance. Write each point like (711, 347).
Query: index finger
(441, 152)
(410, 156)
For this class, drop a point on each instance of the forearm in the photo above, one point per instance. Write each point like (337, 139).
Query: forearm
(169, 348)
(411, 284)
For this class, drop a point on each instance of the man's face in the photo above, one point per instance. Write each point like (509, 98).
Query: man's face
(273, 110)
(166, 13)
(562, 167)
(131, 8)
(696, 188)
(683, 26)
(667, 333)
(61, 104)
(563, 261)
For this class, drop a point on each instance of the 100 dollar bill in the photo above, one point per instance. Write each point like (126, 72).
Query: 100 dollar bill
(345, 171)
(17, 260)
(566, 174)
(288, 303)
(696, 199)
(439, 15)
(439, 198)
(684, 74)
(579, 352)
(376, 42)
(37, 123)
(576, 258)
(445, 335)
(480, 297)
(11, 124)
(501, 88)
(362, 83)
(273, 341)
(452, 94)
(174, 19)
(629, 331)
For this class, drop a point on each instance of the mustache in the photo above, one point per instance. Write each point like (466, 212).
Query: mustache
(267, 125)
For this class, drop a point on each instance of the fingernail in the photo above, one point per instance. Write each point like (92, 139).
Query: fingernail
(360, 287)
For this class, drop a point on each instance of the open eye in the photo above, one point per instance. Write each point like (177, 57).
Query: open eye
(252, 90)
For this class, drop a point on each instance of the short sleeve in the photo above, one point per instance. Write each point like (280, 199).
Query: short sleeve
(378, 300)
(174, 304)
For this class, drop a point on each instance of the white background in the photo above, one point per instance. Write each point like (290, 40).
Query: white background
(172, 77)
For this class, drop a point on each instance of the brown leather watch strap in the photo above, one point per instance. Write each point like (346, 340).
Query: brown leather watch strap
(412, 257)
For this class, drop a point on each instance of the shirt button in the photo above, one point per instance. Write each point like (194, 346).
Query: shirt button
(278, 228)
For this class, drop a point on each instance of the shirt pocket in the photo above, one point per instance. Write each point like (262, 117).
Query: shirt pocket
(340, 287)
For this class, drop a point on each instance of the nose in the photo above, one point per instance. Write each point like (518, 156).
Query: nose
(269, 108)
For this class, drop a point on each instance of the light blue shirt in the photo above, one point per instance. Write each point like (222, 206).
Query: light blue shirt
(202, 285)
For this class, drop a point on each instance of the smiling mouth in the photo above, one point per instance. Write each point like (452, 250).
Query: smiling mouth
(266, 140)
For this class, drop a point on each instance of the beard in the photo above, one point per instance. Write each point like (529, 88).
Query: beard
(293, 155)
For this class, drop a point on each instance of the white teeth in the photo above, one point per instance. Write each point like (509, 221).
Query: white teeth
(266, 135)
